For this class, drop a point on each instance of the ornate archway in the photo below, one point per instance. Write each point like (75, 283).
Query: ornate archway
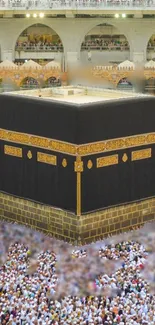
(124, 84)
(53, 82)
(29, 83)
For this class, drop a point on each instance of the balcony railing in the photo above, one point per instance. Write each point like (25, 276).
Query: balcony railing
(44, 48)
(76, 4)
(104, 48)
(151, 48)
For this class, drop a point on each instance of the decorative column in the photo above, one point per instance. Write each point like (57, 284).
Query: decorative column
(7, 54)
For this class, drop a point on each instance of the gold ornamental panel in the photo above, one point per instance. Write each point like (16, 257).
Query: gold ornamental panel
(29, 154)
(13, 151)
(64, 162)
(124, 158)
(78, 165)
(46, 158)
(89, 164)
(141, 154)
(107, 161)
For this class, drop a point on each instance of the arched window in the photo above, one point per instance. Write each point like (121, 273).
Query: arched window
(38, 42)
(151, 48)
(29, 83)
(53, 82)
(124, 84)
(104, 44)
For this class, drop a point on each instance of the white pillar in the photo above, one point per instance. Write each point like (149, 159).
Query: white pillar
(72, 59)
(138, 57)
(7, 55)
(138, 45)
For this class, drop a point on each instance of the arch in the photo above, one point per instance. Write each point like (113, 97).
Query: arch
(29, 83)
(112, 23)
(38, 37)
(150, 47)
(105, 38)
(124, 84)
(26, 23)
(53, 82)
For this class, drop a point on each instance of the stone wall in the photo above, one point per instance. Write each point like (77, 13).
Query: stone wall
(97, 225)
(77, 229)
(58, 223)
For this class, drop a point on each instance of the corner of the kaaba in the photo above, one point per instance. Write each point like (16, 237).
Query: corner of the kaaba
(77, 172)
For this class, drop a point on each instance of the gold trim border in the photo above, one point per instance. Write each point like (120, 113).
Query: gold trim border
(13, 151)
(141, 154)
(75, 150)
(37, 141)
(116, 144)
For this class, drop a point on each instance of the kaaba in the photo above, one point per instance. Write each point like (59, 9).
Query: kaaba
(78, 157)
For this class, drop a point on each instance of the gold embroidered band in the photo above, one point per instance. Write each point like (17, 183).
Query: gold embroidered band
(77, 150)
(36, 141)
